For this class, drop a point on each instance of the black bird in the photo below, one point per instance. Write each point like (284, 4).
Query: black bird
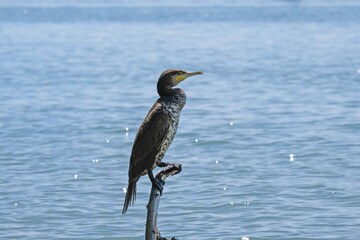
(157, 131)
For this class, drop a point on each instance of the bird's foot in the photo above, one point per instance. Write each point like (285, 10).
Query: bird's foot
(158, 183)
(163, 164)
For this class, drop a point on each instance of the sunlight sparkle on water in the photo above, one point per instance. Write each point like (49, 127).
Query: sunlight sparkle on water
(16, 204)
(225, 188)
(95, 160)
(231, 123)
(291, 156)
(358, 70)
(107, 141)
(127, 129)
(232, 203)
(196, 140)
(75, 176)
(217, 161)
(244, 238)
(124, 190)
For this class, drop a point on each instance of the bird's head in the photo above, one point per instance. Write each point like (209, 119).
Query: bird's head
(171, 78)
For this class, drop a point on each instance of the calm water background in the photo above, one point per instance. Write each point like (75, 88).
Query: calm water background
(280, 78)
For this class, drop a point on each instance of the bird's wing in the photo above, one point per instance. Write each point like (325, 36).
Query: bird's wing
(148, 140)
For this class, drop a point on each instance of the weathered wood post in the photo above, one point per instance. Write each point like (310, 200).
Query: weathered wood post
(152, 232)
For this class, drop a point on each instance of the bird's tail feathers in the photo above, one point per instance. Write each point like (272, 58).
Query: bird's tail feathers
(130, 196)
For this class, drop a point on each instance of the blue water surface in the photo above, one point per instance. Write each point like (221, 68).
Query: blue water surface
(269, 138)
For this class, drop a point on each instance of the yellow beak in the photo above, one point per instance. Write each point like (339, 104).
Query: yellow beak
(184, 76)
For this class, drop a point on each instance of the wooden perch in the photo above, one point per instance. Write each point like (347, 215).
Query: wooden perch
(152, 232)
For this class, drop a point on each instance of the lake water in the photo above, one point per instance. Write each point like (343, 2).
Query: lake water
(269, 138)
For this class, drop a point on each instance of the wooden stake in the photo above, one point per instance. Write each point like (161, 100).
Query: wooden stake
(152, 232)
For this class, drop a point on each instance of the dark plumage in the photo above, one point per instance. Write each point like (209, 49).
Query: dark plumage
(157, 131)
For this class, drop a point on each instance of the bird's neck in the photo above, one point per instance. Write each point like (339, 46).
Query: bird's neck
(177, 98)
(165, 91)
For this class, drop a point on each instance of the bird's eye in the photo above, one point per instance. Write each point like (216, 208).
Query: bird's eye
(179, 73)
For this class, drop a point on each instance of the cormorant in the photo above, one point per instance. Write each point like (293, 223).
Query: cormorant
(157, 131)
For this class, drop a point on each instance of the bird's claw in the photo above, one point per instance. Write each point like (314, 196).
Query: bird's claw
(158, 183)
(163, 164)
